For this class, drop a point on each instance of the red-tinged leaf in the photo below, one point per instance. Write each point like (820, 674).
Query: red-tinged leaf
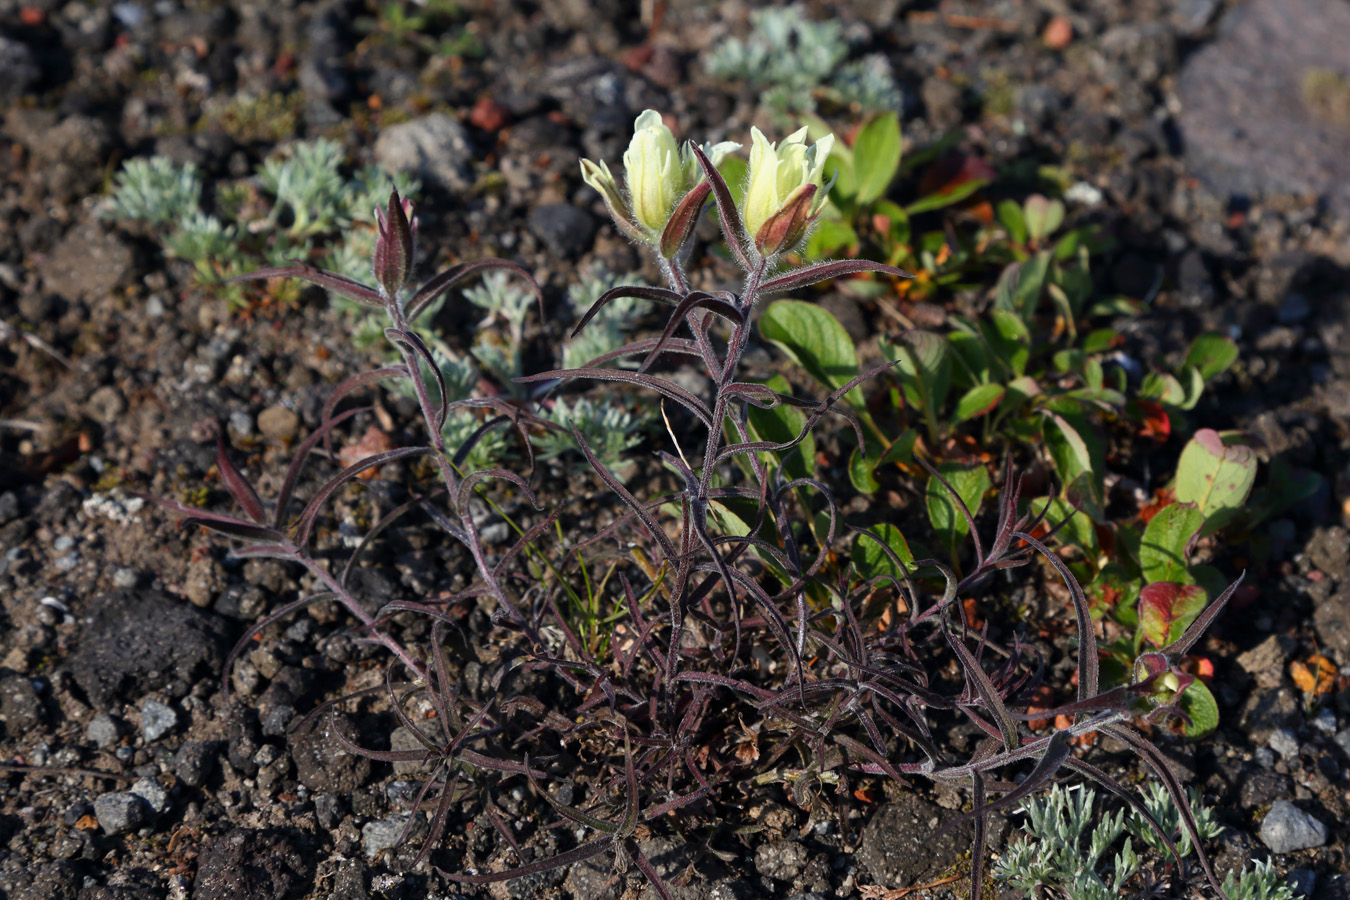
(443, 281)
(1163, 604)
(238, 486)
(329, 281)
(682, 221)
(394, 246)
(723, 306)
(301, 452)
(954, 170)
(660, 385)
(1153, 420)
(641, 292)
(824, 271)
(733, 229)
(311, 510)
(782, 230)
(234, 528)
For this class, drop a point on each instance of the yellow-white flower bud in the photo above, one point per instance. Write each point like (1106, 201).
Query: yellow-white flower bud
(781, 177)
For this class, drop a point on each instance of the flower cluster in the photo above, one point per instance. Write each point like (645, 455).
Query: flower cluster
(665, 189)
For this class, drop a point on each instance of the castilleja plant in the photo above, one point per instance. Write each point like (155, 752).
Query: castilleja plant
(745, 650)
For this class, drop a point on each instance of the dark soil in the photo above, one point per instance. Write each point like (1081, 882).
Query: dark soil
(113, 368)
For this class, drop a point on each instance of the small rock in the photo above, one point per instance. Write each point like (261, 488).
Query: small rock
(783, 860)
(1284, 742)
(102, 731)
(278, 424)
(1265, 662)
(435, 148)
(153, 793)
(1325, 721)
(263, 863)
(1331, 618)
(321, 761)
(382, 833)
(1329, 550)
(895, 845)
(328, 810)
(1302, 881)
(20, 706)
(157, 720)
(1342, 740)
(566, 230)
(403, 739)
(88, 264)
(119, 812)
(193, 762)
(105, 404)
(1287, 828)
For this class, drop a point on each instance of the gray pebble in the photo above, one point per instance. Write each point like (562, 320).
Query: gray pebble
(120, 811)
(125, 578)
(1287, 828)
(328, 810)
(1302, 881)
(1325, 721)
(382, 833)
(157, 720)
(102, 731)
(193, 762)
(1283, 742)
(153, 793)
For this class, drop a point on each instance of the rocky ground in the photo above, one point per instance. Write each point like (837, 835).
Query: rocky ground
(1217, 169)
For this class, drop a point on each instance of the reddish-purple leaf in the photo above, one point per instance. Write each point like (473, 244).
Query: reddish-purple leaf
(1163, 603)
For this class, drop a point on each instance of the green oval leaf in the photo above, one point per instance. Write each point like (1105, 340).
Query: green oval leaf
(876, 156)
(1215, 476)
(977, 401)
(1165, 547)
(814, 340)
(1212, 354)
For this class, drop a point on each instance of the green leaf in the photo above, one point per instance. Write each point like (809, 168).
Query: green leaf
(733, 169)
(829, 238)
(780, 425)
(1165, 547)
(1163, 387)
(736, 524)
(971, 483)
(1166, 610)
(814, 340)
(1192, 386)
(1215, 476)
(924, 372)
(1042, 216)
(876, 156)
(862, 465)
(946, 198)
(1198, 702)
(1212, 354)
(871, 561)
(1076, 449)
(1114, 591)
(1100, 340)
(978, 401)
(1010, 214)
(1008, 338)
(1030, 282)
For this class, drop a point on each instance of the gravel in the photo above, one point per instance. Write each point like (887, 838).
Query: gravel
(102, 731)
